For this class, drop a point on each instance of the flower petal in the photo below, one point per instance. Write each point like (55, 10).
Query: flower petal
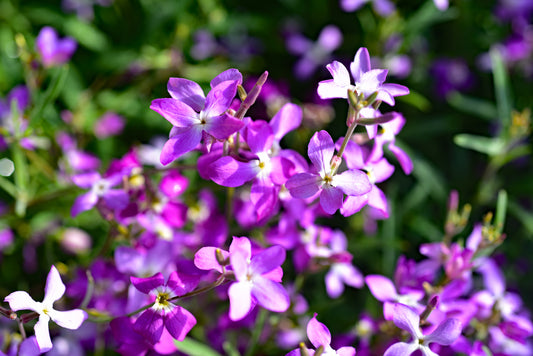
(179, 322)
(220, 97)
(331, 199)
(186, 91)
(288, 118)
(446, 333)
(303, 185)
(267, 260)
(360, 64)
(318, 333)
(240, 297)
(352, 182)
(229, 172)
(407, 319)
(320, 151)
(70, 319)
(183, 141)
(176, 112)
(54, 288)
(42, 333)
(381, 287)
(231, 74)
(145, 285)
(401, 349)
(150, 325)
(83, 203)
(22, 301)
(270, 295)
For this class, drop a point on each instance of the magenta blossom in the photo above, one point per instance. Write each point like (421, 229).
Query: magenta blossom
(53, 291)
(53, 50)
(193, 115)
(164, 314)
(324, 180)
(405, 318)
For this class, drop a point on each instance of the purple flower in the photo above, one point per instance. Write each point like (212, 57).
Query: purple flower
(319, 335)
(54, 290)
(110, 124)
(100, 188)
(193, 115)
(367, 80)
(325, 181)
(313, 54)
(405, 318)
(164, 314)
(382, 7)
(450, 75)
(53, 50)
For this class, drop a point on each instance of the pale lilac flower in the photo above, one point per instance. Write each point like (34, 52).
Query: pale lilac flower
(407, 319)
(367, 80)
(441, 4)
(53, 50)
(194, 115)
(53, 291)
(319, 335)
(323, 180)
(258, 280)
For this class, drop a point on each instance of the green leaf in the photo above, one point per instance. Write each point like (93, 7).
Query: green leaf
(477, 107)
(501, 87)
(86, 34)
(501, 210)
(417, 100)
(195, 348)
(491, 146)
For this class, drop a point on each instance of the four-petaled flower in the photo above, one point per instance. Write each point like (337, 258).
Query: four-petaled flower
(325, 181)
(164, 314)
(54, 289)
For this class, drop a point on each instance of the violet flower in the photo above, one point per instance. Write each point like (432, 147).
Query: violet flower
(367, 81)
(324, 180)
(110, 124)
(313, 54)
(53, 291)
(193, 115)
(382, 7)
(100, 188)
(319, 335)
(53, 50)
(164, 314)
(405, 318)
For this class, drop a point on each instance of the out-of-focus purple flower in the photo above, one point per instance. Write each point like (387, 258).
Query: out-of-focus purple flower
(6, 238)
(205, 45)
(110, 124)
(84, 8)
(451, 74)
(441, 4)
(164, 314)
(99, 188)
(407, 319)
(330, 186)
(313, 54)
(382, 7)
(54, 290)
(53, 50)
(320, 336)
(21, 95)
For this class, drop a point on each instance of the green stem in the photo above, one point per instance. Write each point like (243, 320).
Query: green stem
(256, 333)
(353, 115)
